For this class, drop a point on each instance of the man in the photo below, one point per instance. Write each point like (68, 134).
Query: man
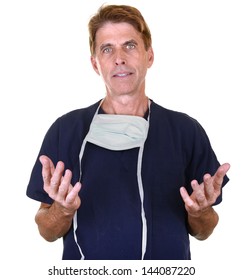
(125, 178)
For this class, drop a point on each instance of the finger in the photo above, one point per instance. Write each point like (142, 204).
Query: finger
(47, 160)
(190, 204)
(186, 198)
(209, 189)
(56, 179)
(47, 169)
(65, 185)
(199, 194)
(219, 176)
(73, 195)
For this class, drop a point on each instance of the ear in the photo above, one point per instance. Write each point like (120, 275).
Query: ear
(150, 57)
(94, 64)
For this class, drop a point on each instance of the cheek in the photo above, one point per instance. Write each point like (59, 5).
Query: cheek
(103, 72)
(104, 66)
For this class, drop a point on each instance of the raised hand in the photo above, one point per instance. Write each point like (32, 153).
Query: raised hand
(205, 194)
(57, 184)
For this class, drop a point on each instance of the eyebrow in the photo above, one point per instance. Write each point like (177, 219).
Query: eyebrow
(129, 42)
(103, 46)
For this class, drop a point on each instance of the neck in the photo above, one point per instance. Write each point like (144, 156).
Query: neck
(125, 105)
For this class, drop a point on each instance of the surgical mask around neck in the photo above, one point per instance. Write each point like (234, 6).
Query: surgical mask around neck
(117, 132)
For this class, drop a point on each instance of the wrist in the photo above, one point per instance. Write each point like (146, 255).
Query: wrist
(61, 212)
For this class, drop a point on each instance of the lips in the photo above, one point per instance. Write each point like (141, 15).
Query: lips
(122, 75)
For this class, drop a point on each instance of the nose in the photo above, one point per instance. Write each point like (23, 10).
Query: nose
(120, 62)
(120, 58)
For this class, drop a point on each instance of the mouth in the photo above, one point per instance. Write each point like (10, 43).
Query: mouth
(122, 75)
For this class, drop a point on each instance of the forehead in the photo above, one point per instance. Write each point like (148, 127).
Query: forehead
(117, 32)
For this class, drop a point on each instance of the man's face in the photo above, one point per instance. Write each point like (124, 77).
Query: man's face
(121, 59)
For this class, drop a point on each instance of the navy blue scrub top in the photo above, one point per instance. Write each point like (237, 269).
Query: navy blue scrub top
(177, 150)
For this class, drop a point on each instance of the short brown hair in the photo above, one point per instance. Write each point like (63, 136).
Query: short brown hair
(117, 14)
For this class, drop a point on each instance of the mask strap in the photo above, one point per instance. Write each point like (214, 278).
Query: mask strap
(140, 188)
(141, 193)
(75, 218)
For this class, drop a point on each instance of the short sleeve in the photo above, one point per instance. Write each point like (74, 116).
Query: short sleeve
(202, 158)
(49, 147)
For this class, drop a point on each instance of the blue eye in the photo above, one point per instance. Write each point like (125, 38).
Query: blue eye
(107, 50)
(130, 46)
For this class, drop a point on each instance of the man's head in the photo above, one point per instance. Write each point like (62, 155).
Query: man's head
(118, 14)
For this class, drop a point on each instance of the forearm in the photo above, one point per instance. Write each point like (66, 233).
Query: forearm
(203, 225)
(53, 221)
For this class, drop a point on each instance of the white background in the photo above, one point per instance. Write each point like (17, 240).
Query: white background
(45, 72)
